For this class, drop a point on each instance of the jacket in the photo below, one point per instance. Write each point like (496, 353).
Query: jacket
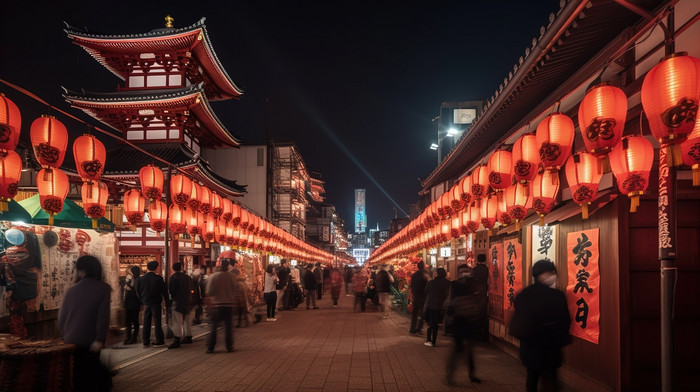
(131, 298)
(480, 273)
(382, 282)
(436, 293)
(283, 276)
(181, 289)
(309, 280)
(419, 280)
(83, 317)
(151, 289)
(222, 287)
(541, 321)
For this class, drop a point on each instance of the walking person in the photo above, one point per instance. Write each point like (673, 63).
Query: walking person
(480, 274)
(151, 289)
(348, 280)
(541, 321)
(132, 305)
(336, 283)
(197, 295)
(318, 275)
(436, 294)
(283, 281)
(464, 312)
(310, 286)
(221, 294)
(270, 294)
(419, 280)
(382, 282)
(181, 289)
(83, 319)
(359, 285)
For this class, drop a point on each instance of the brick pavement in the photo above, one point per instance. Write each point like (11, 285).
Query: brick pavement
(330, 349)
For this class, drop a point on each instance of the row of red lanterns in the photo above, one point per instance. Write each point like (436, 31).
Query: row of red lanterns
(528, 177)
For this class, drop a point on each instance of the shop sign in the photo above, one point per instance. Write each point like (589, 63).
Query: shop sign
(496, 281)
(512, 273)
(583, 289)
(544, 243)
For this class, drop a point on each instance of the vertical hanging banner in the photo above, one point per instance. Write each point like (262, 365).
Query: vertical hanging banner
(496, 281)
(583, 289)
(512, 273)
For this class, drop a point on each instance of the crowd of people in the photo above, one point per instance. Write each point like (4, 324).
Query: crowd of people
(541, 319)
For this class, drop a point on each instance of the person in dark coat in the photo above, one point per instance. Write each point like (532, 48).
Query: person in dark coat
(198, 297)
(283, 276)
(132, 305)
(419, 280)
(480, 275)
(541, 321)
(151, 289)
(83, 320)
(436, 294)
(318, 274)
(382, 282)
(463, 297)
(181, 289)
(310, 286)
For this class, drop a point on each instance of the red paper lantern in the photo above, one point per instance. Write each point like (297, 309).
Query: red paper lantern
(209, 228)
(489, 212)
(245, 220)
(10, 124)
(670, 95)
(456, 225)
(500, 169)
(456, 198)
(601, 118)
(217, 205)
(49, 139)
(691, 152)
(480, 182)
(151, 178)
(10, 173)
(158, 214)
(583, 177)
(236, 212)
(205, 200)
(180, 189)
(229, 233)
(221, 232)
(444, 205)
(503, 217)
(631, 162)
(471, 219)
(545, 188)
(195, 224)
(517, 199)
(94, 196)
(90, 157)
(179, 217)
(134, 206)
(227, 213)
(526, 158)
(465, 186)
(52, 185)
(195, 197)
(555, 138)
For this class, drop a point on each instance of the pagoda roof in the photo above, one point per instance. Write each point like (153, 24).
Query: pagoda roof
(193, 39)
(101, 105)
(125, 161)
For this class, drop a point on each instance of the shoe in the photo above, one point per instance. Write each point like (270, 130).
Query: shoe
(209, 351)
(268, 319)
(418, 332)
(186, 340)
(429, 344)
(272, 319)
(475, 380)
(315, 307)
(159, 344)
(335, 306)
(146, 345)
(174, 344)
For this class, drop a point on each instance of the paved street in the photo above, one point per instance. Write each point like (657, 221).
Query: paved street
(317, 350)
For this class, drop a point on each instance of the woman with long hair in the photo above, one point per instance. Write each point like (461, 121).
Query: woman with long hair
(132, 304)
(271, 291)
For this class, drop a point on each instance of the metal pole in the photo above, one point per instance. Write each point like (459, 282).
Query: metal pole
(667, 259)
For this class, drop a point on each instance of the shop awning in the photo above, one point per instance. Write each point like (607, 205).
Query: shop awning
(16, 213)
(71, 216)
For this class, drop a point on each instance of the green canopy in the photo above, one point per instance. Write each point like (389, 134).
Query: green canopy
(15, 213)
(72, 215)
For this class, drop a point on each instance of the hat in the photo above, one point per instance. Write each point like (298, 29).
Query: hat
(543, 266)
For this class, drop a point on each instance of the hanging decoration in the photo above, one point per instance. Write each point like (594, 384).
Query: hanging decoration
(90, 155)
(545, 188)
(489, 212)
(456, 198)
(52, 185)
(205, 201)
(526, 159)
(690, 150)
(180, 189)
(631, 162)
(517, 202)
(10, 173)
(583, 177)
(94, 196)
(470, 220)
(158, 214)
(134, 206)
(179, 217)
(555, 139)
(670, 96)
(151, 178)
(480, 183)
(209, 229)
(195, 197)
(227, 213)
(502, 216)
(49, 139)
(601, 118)
(217, 205)
(444, 205)
(465, 185)
(10, 124)
(500, 170)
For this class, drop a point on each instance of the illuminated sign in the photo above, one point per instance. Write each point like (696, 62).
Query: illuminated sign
(360, 254)
(360, 212)
(446, 251)
(464, 116)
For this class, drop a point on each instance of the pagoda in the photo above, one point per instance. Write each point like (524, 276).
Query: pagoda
(169, 77)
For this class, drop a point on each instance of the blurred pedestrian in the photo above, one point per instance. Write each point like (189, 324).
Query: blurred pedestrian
(480, 274)
(419, 280)
(436, 294)
(283, 281)
(83, 319)
(270, 293)
(241, 309)
(198, 294)
(310, 286)
(151, 289)
(318, 275)
(463, 310)
(348, 279)
(359, 285)
(181, 289)
(382, 282)
(336, 283)
(132, 305)
(541, 321)
(221, 294)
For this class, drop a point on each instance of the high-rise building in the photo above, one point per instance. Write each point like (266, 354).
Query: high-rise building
(360, 212)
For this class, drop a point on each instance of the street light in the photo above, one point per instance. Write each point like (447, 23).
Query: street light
(433, 146)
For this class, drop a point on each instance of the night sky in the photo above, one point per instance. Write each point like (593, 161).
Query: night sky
(340, 79)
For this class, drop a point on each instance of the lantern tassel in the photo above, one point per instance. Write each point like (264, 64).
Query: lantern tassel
(517, 225)
(584, 211)
(541, 219)
(50, 220)
(4, 206)
(94, 223)
(675, 157)
(696, 174)
(634, 203)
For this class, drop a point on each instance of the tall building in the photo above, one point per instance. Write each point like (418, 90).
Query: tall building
(360, 212)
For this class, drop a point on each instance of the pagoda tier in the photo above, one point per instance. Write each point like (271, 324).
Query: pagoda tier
(125, 162)
(158, 116)
(162, 58)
